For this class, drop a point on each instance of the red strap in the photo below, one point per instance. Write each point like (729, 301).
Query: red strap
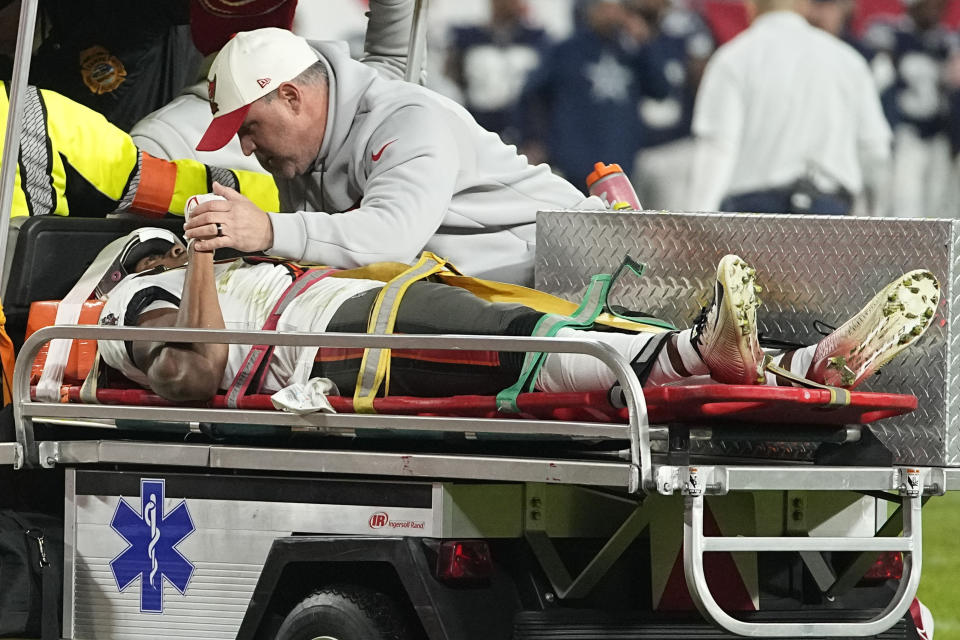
(258, 353)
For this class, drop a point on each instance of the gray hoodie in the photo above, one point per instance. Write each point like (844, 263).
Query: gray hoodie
(402, 169)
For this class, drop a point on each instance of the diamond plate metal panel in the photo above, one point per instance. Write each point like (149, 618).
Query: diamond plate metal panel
(811, 268)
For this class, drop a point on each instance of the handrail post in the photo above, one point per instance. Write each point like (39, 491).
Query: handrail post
(11, 145)
(416, 54)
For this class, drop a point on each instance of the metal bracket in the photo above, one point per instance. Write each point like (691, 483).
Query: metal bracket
(11, 453)
(692, 480)
(911, 482)
(564, 585)
(667, 480)
(49, 453)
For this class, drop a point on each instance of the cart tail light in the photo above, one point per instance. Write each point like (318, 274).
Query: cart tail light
(889, 566)
(464, 561)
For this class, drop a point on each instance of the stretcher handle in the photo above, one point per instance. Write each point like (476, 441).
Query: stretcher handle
(695, 544)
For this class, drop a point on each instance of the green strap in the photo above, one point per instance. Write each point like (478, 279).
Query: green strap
(548, 326)
(594, 303)
(637, 268)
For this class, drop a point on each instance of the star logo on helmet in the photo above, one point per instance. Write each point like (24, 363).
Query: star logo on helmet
(211, 94)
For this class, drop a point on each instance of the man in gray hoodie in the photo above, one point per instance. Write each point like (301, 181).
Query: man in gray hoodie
(407, 168)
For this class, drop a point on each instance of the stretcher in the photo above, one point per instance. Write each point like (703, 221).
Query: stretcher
(725, 404)
(573, 417)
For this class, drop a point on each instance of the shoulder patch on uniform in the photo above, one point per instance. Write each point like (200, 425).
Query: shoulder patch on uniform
(102, 71)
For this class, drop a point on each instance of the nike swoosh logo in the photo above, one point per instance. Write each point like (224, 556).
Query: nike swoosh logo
(376, 156)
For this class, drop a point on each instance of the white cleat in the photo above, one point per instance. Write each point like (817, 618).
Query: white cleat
(725, 334)
(893, 320)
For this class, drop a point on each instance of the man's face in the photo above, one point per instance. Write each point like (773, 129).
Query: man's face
(176, 256)
(284, 141)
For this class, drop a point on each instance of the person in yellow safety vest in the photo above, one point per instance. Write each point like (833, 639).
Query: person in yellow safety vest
(73, 161)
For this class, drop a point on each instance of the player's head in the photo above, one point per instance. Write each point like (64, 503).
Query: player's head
(926, 13)
(757, 7)
(140, 250)
(830, 15)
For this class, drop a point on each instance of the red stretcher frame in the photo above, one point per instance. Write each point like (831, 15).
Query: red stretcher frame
(716, 404)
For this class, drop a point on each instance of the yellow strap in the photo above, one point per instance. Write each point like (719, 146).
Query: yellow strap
(375, 366)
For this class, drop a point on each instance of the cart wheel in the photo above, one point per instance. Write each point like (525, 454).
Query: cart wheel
(344, 613)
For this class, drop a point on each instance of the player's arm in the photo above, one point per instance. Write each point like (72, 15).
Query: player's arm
(186, 371)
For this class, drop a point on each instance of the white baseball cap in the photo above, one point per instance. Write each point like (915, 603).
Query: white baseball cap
(248, 67)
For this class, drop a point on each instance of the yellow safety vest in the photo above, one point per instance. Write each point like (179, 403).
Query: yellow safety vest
(73, 161)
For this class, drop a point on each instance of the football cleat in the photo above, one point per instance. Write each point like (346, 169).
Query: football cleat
(725, 333)
(893, 320)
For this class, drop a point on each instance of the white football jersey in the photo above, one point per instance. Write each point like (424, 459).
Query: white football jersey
(247, 292)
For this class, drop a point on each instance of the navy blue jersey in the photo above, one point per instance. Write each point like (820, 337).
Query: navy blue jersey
(914, 94)
(491, 66)
(954, 100)
(582, 102)
(684, 41)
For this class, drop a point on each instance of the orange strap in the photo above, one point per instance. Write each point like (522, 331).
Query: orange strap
(6, 360)
(158, 179)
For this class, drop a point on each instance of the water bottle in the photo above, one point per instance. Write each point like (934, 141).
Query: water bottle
(609, 183)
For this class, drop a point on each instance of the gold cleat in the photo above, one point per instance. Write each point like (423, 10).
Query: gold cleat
(894, 319)
(725, 335)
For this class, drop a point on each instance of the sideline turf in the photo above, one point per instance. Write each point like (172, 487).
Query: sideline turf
(940, 576)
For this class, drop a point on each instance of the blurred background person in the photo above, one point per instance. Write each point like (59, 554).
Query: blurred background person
(580, 106)
(489, 63)
(684, 44)
(836, 18)
(917, 48)
(788, 120)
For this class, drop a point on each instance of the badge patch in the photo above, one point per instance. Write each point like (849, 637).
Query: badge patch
(152, 537)
(102, 72)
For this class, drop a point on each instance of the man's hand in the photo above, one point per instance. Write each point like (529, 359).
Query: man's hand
(235, 222)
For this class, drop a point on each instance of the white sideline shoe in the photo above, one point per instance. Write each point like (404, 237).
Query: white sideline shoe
(893, 320)
(725, 334)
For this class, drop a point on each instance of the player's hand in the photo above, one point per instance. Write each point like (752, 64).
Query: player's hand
(235, 222)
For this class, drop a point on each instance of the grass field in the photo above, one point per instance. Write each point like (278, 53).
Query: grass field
(940, 577)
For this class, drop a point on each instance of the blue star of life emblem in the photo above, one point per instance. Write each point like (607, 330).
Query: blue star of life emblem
(152, 537)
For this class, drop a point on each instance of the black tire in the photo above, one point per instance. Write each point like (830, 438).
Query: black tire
(344, 613)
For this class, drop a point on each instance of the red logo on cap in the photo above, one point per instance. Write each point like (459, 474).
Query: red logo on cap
(263, 82)
(211, 94)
